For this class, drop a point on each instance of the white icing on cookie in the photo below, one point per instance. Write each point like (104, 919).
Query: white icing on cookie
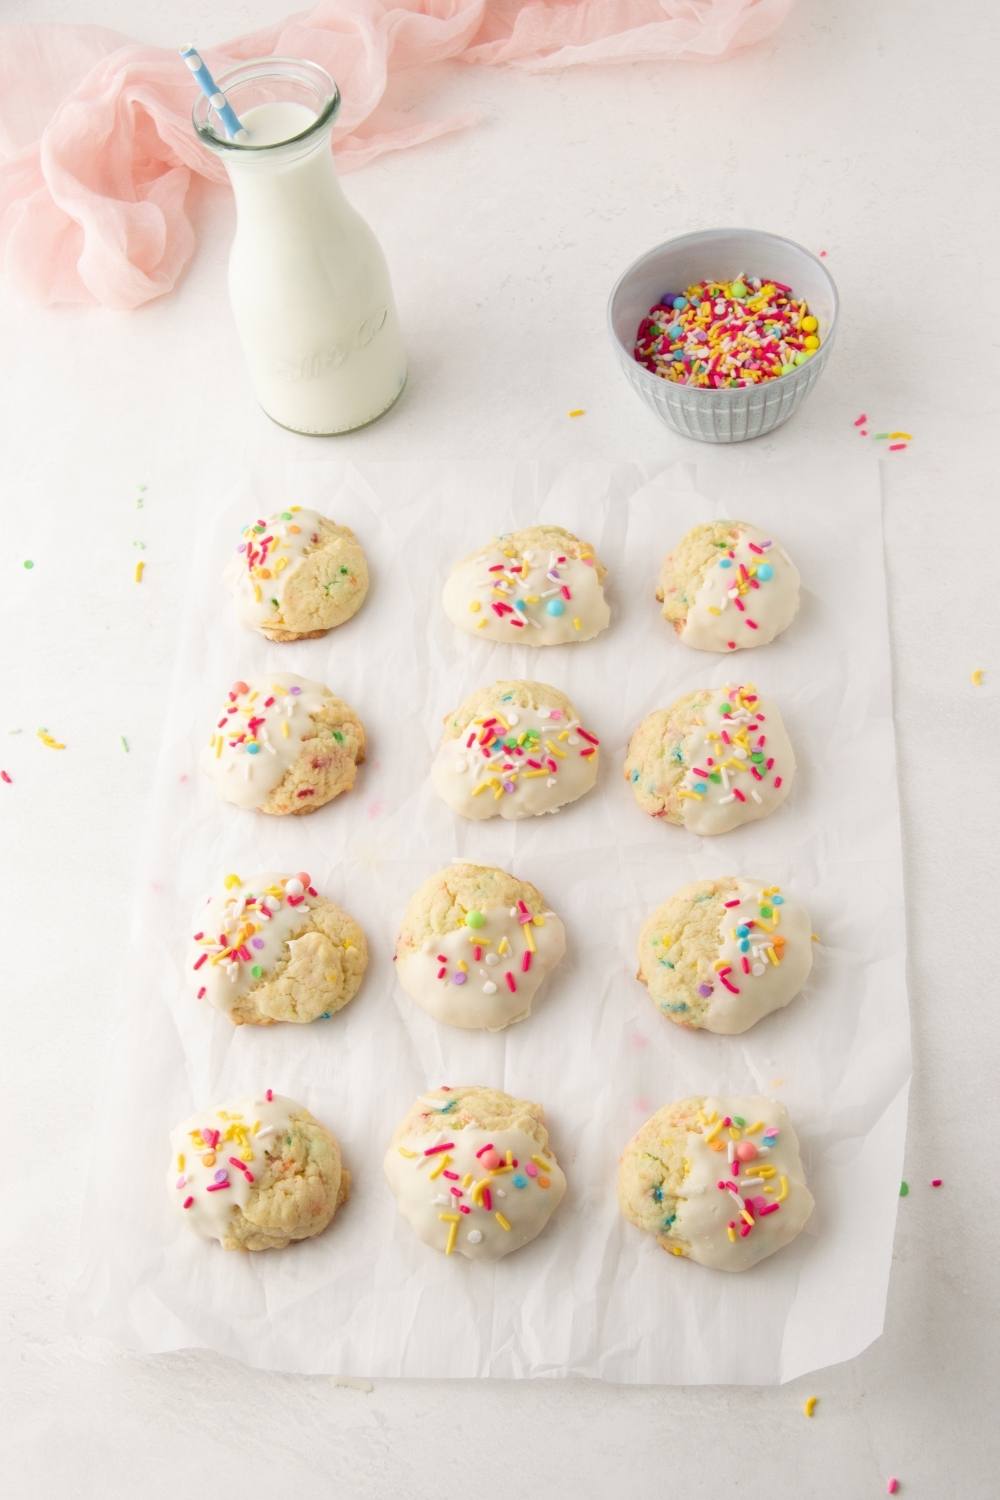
(218, 1155)
(265, 560)
(480, 1193)
(538, 597)
(740, 762)
(242, 932)
(259, 734)
(732, 1212)
(746, 598)
(515, 763)
(485, 974)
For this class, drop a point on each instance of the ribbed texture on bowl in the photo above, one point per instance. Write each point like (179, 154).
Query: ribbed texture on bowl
(735, 413)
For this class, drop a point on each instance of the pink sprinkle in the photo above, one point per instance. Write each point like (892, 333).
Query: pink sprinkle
(9, 779)
(269, 1095)
(586, 753)
(487, 1200)
(738, 794)
(464, 1208)
(211, 1138)
(936, 1182)
(216, 1187)
(750, 624)
(202, 960)
(699, 772)
(188, 1202)
(860, 422)
(566, 593)
(483, 1150)
(746, 964)
(434, 1150)
(745, 1230)
(892, 1488)
(777, 782)
(754, 548)
(725, 736)
(525, 960)
(455, 1192)
(590, 738)
(896, 447)
(234, 1161)
(531, 1169)
(732, 903)
(201, 993)
(730, 987)
(511, 982)
(452, 1176)
(441, 973)
(771, 1208)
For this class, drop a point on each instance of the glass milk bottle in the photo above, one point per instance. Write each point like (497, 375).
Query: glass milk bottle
(308, 282)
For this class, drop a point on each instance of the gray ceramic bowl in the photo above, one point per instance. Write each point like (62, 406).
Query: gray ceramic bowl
(735, 413)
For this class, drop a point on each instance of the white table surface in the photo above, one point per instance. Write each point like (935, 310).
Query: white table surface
(860, 129)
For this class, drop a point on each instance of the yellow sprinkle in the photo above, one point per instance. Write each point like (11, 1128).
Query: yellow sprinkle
(498, 793)
(529, 774)
(504, 1223)
(576, 622)
(676, 1250)
(731, 1232)
(218, 745)
(46, 739)
(531, 598)
(281, 563)
(181, 1158)
(503, 947)
(753, 1129)
(480, 788)
(772, 956)
(906, 436)
(784, 1191)
(711, 1134)
(440, 1164)
(810, 1405)
(452, 1237)
(475, 606)
(578, 411)
(481, 624)
(256, 592)
(694, 796)
(510, 1157)
(977, 677)
(529, 937)
(462, 965)
(499, 1171)
(449, 1218)
(747, 1218)
(540, 1161)
(713, 611)
(815, 937)
(139, 570)
(466, 1179)
(559, 754)
(403, 1151)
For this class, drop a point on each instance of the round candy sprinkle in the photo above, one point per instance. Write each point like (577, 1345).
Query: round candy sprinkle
(475, 919)
(555, 607)
(727, 333)
(294, 887)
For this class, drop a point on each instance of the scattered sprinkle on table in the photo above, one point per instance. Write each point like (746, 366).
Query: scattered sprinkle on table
(936, 1182)
(578, 411)
(810, 1405)
(124, 744)
(860, 421)
(47, 739)
(977, 677)
(4, 776)
(892, 1485)
(904, 1188)
(727, 333)
(28, 564)
(139, 569)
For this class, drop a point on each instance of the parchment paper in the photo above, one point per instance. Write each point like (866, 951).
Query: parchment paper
(592, 1296)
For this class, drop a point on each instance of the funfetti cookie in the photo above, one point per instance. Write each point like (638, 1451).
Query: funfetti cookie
(296, 574)
(476, 945)
(538, 587)
(282, 744)
(256, 1174)
(269, 948)
(727, 586)
(473, 1172)
(718, 1181)
(717, 758)
(514, 750)
(722, 954)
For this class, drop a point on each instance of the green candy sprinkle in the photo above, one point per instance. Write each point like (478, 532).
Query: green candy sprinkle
(28, 564)
(256, 971)
(904, 1188)
(475, 919)
(345, 570)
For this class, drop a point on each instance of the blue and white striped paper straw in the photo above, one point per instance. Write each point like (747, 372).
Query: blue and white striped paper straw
(216, 98)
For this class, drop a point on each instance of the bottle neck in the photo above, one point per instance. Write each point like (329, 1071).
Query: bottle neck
(286, 181)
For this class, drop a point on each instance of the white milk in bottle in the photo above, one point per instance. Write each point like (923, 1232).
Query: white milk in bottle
(308, 282)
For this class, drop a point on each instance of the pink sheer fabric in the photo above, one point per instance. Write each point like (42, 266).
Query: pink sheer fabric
(100, 155)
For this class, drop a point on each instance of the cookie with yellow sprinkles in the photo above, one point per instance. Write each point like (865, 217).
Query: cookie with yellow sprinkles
(716, 758)
(256, 1174)
(473, 1172)
(296, 574)
(717, 1181)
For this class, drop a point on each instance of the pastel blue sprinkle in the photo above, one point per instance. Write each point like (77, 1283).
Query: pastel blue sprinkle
(742, 930)
(253, 749)
(555, 607)
(519, 1181)
(680, 303)
(725, 562)
(700, 786)
(635, 777)
(777, 900)
(764, 572)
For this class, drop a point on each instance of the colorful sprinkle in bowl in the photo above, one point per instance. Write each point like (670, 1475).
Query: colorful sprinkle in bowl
(735, 413)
